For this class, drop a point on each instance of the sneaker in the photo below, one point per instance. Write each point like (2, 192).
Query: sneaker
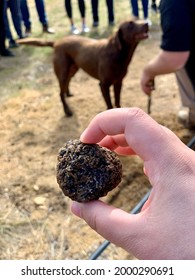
(95, 24)
(148, 21)
(6, 53)
(186, 116)
(85, 29)
(74, 30)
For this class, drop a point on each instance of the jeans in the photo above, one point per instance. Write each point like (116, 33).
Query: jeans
(14, 7)
(40, 6)
(110, 7)
(134, 4)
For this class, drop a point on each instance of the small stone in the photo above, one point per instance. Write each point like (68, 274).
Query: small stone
(36, 188)
(87, 172)
(39, 200)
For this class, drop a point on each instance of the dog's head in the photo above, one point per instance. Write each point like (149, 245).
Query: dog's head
(130, 32)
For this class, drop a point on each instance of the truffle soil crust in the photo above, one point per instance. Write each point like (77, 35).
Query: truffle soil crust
(87, 171)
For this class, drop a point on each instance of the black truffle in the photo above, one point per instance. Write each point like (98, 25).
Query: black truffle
(87, 171)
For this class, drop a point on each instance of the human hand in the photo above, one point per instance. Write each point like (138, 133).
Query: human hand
(147, 82)
(165, 227)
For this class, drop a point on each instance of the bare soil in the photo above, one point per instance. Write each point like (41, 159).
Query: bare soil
(35, 217)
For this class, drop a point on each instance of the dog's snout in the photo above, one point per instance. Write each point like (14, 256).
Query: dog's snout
(146, 27)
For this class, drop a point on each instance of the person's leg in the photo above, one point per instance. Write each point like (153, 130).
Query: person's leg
(16, 16)
(81, 4)
(6, 21)
(145, 8)
(25, 15)
(110, 7)
(12, 42)
(3, 50)
(187, 94)
(40, 6)
(94, 5)
(154, 6)
(82, 8)
(134, 5)
(68, 8)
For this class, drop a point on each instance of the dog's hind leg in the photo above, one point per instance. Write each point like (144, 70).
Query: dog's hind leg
(64, 70)
(64, 81)
(64, 88)
(105, 89)
(72, 72)
(117, 93)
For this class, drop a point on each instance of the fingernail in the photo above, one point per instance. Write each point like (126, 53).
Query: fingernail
(76, 209)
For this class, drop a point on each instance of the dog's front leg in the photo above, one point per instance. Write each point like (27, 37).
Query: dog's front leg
(105, 89)
(117, 93)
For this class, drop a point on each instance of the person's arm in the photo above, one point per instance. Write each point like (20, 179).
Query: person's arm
(166, 225)
(164, 63)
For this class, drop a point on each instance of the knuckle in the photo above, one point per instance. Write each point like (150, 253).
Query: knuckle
(135, 113)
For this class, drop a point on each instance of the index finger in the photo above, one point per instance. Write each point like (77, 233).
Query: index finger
(143, 135)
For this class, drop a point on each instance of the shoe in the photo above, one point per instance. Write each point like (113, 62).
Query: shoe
(74, 30)
(154, 8)
(148, 21)
(6, 53)
(13, 44)
(111, 23)
(47, 29)
(85, 29)
(95, 24)
(27, 32)
(186, 116)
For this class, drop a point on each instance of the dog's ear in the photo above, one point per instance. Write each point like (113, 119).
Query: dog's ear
(119, 39)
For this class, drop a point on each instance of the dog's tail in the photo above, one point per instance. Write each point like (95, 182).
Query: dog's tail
(36, 42)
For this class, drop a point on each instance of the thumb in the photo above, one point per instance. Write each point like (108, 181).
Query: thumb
(113, 224)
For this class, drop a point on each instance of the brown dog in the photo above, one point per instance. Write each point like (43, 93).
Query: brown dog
(106, 59)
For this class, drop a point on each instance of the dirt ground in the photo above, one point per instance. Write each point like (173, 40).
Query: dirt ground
(35, 217)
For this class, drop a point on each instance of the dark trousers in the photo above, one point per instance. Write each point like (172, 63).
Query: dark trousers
(2, 26)
(68, 8)
(135, 8)
(110, 8)
(14, 6)
(40, 6)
